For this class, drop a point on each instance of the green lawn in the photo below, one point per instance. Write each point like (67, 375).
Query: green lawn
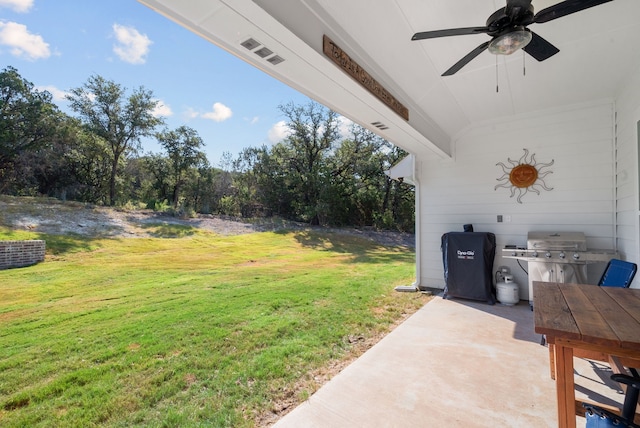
(191, 329)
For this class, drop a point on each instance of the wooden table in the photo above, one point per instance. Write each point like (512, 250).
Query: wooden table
(585, 320)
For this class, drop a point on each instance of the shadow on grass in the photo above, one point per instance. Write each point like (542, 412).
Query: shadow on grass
(168, 230)
(362, 249)
(58, 245)
(70, 243)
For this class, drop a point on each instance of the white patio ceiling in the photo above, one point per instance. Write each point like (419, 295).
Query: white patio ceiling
(599, 49)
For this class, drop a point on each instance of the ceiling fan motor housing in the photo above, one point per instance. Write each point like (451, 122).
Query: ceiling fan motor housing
(501, 21)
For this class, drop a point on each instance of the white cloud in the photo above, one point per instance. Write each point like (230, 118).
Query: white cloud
(17, 5)
(252, 120)
(162, 110)
(57, 94)
(132, 47)
(22, 43)
(278, 132)
(220, 113)
(344, 127)
(190, 113)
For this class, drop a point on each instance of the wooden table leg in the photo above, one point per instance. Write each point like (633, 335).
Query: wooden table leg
(552, 360)
(565, 386)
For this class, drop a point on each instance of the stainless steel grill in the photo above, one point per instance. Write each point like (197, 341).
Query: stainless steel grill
(557, 257)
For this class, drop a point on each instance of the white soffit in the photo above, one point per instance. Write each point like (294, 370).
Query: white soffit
(304, 68)
(598, 53)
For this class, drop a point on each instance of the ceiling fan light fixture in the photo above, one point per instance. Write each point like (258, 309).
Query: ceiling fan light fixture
(509, 42)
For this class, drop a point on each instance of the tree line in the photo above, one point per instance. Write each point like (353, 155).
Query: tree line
(315, 174)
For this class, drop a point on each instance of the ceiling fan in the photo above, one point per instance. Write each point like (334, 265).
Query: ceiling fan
(508, 30)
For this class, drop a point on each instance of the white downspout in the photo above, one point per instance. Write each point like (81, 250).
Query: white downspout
(418, 235)
(405, 170)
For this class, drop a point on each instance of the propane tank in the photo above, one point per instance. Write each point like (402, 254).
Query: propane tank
(507, 291)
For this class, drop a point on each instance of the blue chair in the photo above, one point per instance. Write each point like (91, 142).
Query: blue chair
(618, 274)
(598, 417)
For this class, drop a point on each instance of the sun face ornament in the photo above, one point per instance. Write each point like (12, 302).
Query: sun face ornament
(524, 175)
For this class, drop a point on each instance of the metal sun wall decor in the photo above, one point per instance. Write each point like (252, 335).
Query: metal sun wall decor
(524, 175)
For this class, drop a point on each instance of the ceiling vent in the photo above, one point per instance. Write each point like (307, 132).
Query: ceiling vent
(251, 44)
(262, 51)
(275, 60)
(380, 125)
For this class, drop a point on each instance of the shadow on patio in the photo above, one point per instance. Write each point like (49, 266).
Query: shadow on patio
(454, 363)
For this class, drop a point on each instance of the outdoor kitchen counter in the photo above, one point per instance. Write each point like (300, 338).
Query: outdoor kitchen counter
(585, 320)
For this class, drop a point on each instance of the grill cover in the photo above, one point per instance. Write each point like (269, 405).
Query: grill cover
(468, 265)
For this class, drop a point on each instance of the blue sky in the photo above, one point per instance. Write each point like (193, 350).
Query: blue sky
(58, 44)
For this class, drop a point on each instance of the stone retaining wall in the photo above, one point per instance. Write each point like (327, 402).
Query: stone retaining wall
(21, 253)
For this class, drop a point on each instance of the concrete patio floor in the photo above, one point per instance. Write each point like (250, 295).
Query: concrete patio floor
(454, 363)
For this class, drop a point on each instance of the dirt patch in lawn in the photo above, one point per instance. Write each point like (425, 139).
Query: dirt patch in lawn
(51, 216)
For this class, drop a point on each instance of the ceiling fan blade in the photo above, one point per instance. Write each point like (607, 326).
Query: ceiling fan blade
(565, 8)
(539, 48)
(465, 60)
(449, 32)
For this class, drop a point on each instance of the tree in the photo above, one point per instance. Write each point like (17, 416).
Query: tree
(27, 118)
(319, 176)
(158, 167)
(182, 146)
(119, 120)
(90, 161)
(313, 132)
(249, 175)
(46, 169)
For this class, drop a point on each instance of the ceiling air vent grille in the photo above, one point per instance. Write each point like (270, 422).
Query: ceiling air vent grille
(380, 125)
(262, 51)
(250, 44)
(275, 60)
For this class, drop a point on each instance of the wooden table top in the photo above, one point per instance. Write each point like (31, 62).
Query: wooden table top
(602, 316)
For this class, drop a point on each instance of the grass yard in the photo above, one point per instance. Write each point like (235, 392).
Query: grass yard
(191, 329)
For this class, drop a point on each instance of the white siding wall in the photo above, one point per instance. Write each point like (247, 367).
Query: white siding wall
(628, 115)
(580, 141)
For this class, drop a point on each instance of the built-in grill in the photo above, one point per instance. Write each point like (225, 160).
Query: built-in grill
(557, 257)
